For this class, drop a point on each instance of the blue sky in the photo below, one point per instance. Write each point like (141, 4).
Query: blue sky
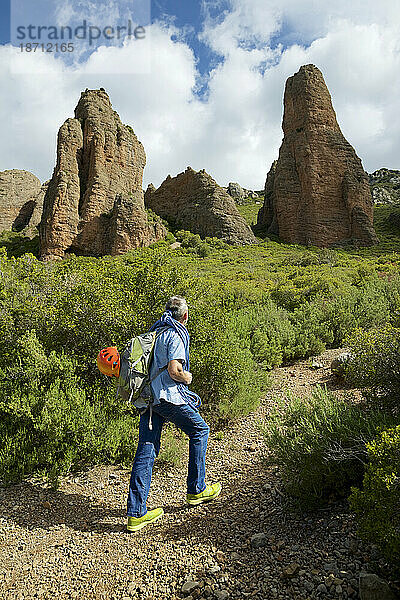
(187, 16)
(4, 21)
(205, 88)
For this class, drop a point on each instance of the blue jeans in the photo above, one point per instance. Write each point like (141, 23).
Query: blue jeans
(190, 422)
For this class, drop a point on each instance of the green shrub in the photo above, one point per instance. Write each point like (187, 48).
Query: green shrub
(266, 332)
(319, 443)
(193, 243)
(377, 504)
(375, 364)
(297, 285)
(311, 333)
(188, 239)
(74, 307)
(216, 243)
(275, 335)
(224, 371)
(366, 306)
(56, 411)
(49, 422)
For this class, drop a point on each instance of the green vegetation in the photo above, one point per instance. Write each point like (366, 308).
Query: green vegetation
(56, 411)
(319, 444)
(251, 308)
(324, 445)
(51, 420)
(378, 504)
(375, 363)
(17, 244)
(303, 300)
(249, 210)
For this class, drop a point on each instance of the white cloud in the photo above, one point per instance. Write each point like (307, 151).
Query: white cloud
(356, 45)
(235, 132)
(159, 105)
(360, 63)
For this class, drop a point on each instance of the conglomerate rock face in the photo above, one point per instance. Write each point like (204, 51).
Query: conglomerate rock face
(32, 228)
(317, 192)
(94, 203)
(195, 202)
(19, 194)
(237, 192)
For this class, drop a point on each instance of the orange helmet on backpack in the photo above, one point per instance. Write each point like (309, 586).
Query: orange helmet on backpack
(108, 361)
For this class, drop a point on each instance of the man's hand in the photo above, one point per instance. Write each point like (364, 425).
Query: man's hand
(177, 373)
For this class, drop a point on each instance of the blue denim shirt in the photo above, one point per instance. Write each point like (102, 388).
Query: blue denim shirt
(168, 346)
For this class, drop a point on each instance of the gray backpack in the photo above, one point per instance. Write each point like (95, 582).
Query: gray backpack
(133, 381)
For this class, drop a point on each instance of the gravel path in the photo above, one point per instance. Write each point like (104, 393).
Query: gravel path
(71, 543)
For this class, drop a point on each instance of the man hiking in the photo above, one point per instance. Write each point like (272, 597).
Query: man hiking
(172, 401)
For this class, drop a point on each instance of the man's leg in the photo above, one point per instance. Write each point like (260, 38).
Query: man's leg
(189, 420)
(147, 450)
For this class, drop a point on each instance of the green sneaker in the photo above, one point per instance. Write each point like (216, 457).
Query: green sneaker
(210, 493)
(136, 523)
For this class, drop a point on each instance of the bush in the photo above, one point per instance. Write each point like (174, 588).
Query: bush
(224, 371)
(56, 410)
(336, 305)
(49, 422)
(312, 334)
(297, 286)
(375, 364)
(365, 307)
(266, 332)
(193, 243)
(275, 335)
(74, 307)
(319, 444)
(378, 503)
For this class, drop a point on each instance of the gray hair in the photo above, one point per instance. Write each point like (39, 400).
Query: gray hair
(178, 306)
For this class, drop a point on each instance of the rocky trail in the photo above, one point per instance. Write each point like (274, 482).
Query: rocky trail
(72, 543)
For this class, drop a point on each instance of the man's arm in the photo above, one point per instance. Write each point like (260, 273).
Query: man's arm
(177, 373)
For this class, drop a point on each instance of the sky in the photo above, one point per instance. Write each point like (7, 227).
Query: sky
(203, 83)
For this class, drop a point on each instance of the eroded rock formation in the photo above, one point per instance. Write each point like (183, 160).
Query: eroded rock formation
(32, 229)
(195, 202)
(317, 192)
(94, 203)
(19, 198)
(237, 192)
(385, 186)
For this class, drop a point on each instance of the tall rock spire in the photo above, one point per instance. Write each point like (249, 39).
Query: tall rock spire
(94, 204)
(317, 192)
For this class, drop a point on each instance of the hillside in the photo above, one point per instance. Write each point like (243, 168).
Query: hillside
(260, 316)
(248, 544)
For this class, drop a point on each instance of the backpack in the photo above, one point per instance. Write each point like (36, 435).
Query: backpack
(133, 381)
